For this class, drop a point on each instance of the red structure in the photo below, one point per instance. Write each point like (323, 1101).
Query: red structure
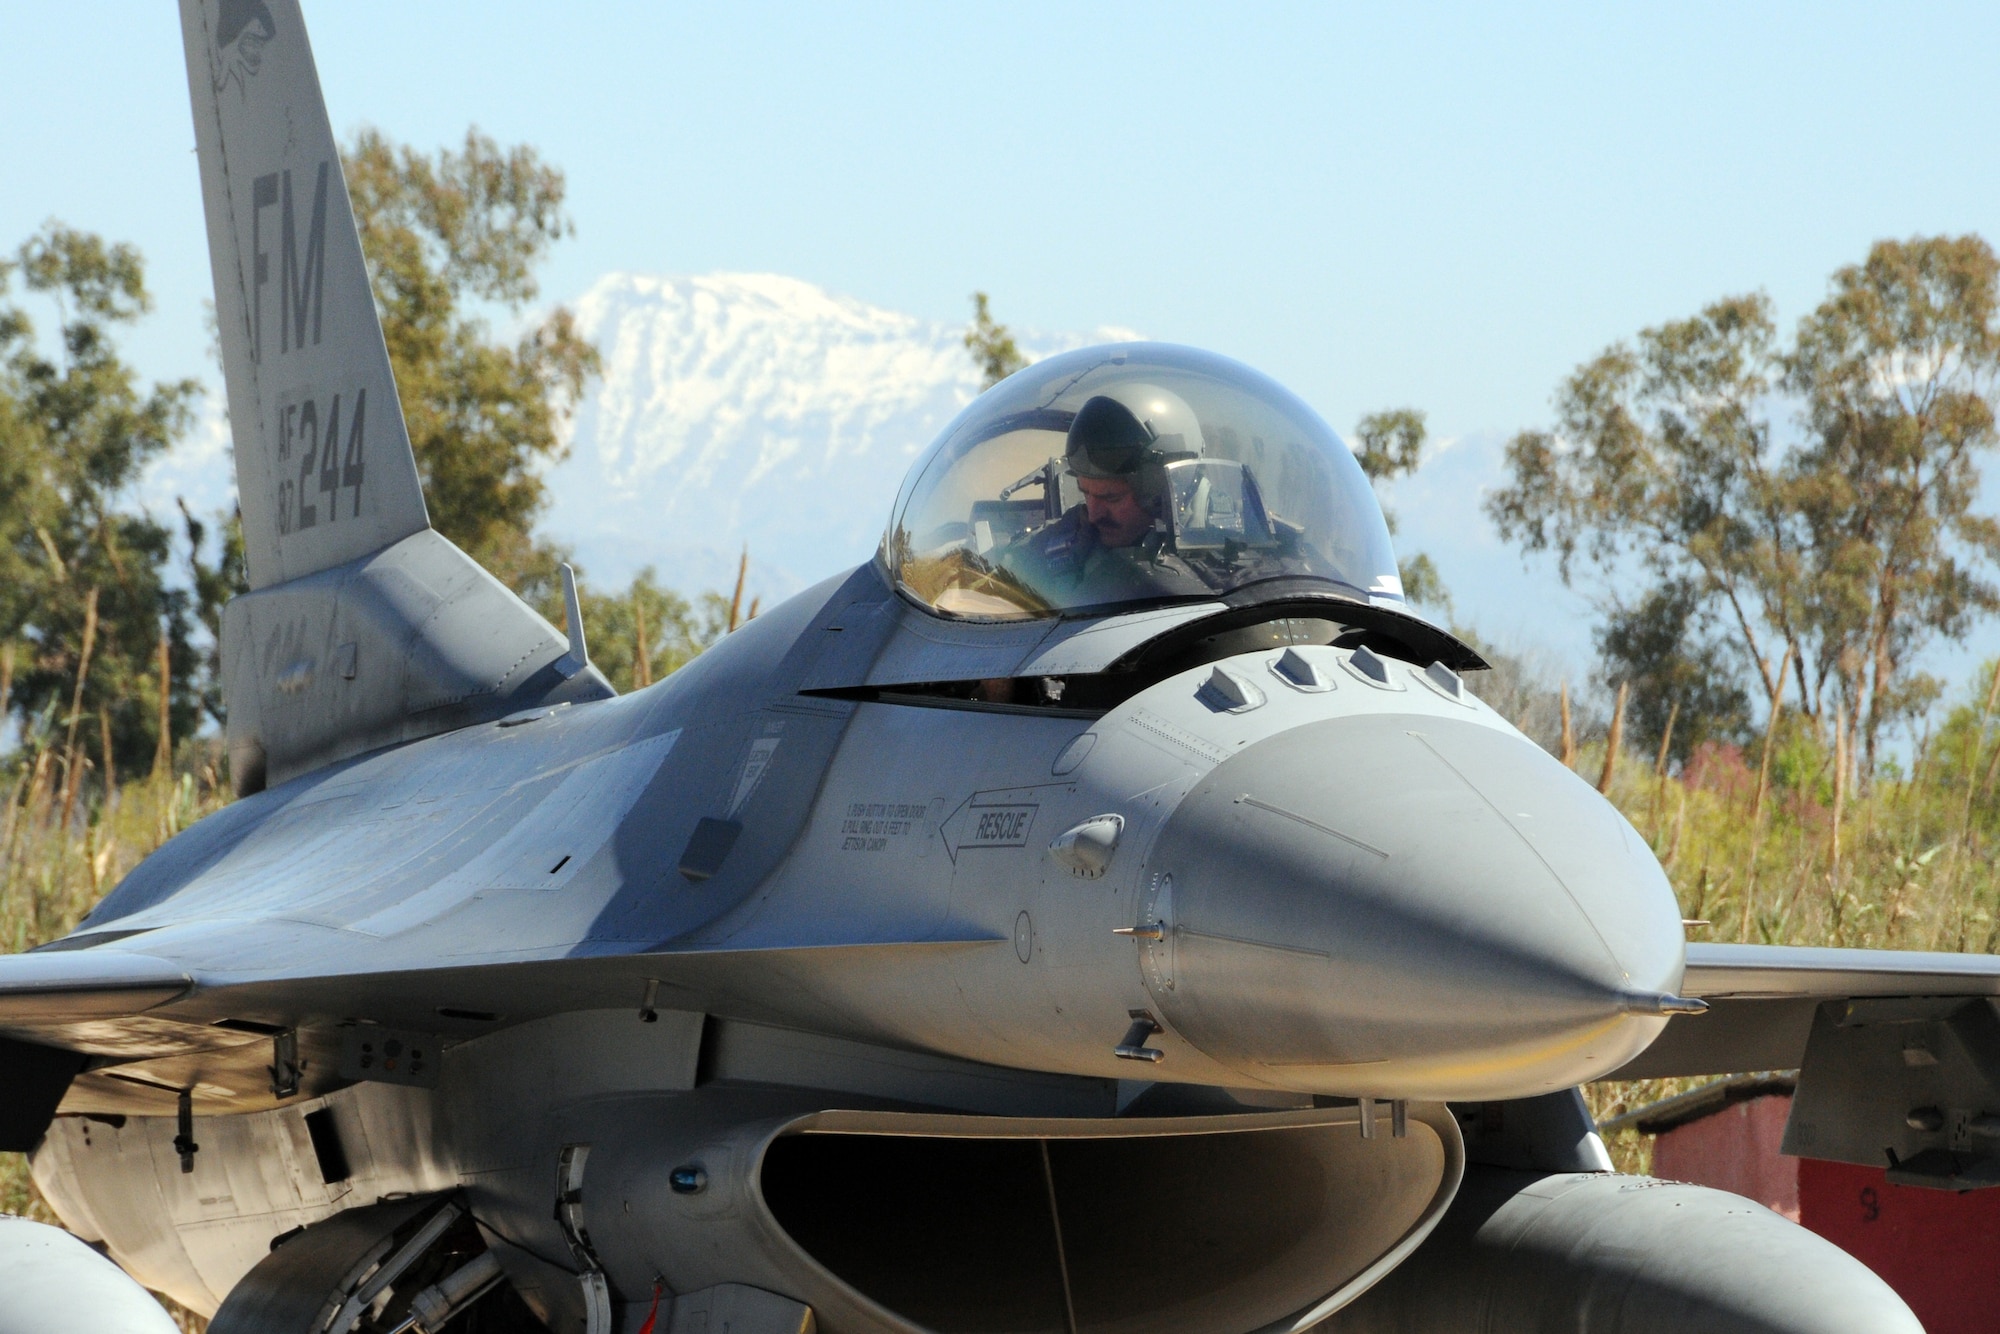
(1735, 1148)
(1938, 1249)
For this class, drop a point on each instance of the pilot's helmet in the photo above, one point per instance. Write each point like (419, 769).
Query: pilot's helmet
(1130, 433)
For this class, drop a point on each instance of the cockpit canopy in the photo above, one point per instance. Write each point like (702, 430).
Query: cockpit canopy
(1132, 475)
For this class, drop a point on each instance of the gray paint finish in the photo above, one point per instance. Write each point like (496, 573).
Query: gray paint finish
(407, 642)
(645, 945)
(56, 1282)
(323, 463)
(1604, 1254)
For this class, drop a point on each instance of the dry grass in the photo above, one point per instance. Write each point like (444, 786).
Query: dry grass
(1909, 865)
(51, 874)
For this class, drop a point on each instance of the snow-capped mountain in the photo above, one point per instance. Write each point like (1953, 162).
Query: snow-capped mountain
(751, 408)
(763, 410)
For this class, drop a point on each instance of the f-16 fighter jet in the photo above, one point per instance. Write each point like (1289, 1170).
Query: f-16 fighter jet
(1108, 909)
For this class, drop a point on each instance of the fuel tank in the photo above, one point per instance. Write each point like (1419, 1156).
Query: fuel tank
(55, 1284)
(1598, 1253)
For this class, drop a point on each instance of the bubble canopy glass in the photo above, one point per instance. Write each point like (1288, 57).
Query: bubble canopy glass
(1133, 475)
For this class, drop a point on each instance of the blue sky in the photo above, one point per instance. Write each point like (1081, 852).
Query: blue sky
(1441, 206)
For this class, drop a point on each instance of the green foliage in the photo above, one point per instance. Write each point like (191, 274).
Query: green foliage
(1660, 459)
(1896, 371)
(671, 630)
(76, 428)
(1916, 867)
(1422, 584)
(1526, 690)
(1852, 547)
(443, 234)
(1802, 762)
(1666, 649)
(1392, 445)
(991, 345)
(214, 582)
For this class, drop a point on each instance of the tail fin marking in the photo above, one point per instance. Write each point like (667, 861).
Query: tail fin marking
(324, 470)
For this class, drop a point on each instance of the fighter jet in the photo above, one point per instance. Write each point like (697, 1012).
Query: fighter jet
(1108, 909)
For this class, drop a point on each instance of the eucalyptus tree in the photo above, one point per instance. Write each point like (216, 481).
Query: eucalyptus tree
(1390, 445)
(84, 598)
(991, 344)
(448, 237)
(1815, 497)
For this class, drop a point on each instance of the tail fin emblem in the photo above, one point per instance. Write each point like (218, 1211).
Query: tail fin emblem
(240, 35)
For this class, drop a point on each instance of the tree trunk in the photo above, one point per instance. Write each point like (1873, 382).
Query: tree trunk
(1613, 739)
(1840, 743)
(1568, 755)
(1770, 734)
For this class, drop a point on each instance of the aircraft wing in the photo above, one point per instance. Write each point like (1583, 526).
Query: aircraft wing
(64, 986)
(106, 1030)
(1762, 1000)
(64, 991)
(79, 999)
(1767, 972)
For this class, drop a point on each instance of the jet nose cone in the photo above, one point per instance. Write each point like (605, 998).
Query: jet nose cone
(1411, 905)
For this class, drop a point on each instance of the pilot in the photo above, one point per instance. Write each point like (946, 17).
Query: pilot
(1115, 545)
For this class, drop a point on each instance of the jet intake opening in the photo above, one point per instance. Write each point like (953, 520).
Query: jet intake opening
(1218, 1232)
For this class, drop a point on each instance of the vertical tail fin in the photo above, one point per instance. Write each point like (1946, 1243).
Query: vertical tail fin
(323, 463)
(363, 627)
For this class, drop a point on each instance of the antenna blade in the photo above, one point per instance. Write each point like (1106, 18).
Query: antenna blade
(578, 656)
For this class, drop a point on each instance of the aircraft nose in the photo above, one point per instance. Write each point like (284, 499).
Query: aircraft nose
(1409, 906)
